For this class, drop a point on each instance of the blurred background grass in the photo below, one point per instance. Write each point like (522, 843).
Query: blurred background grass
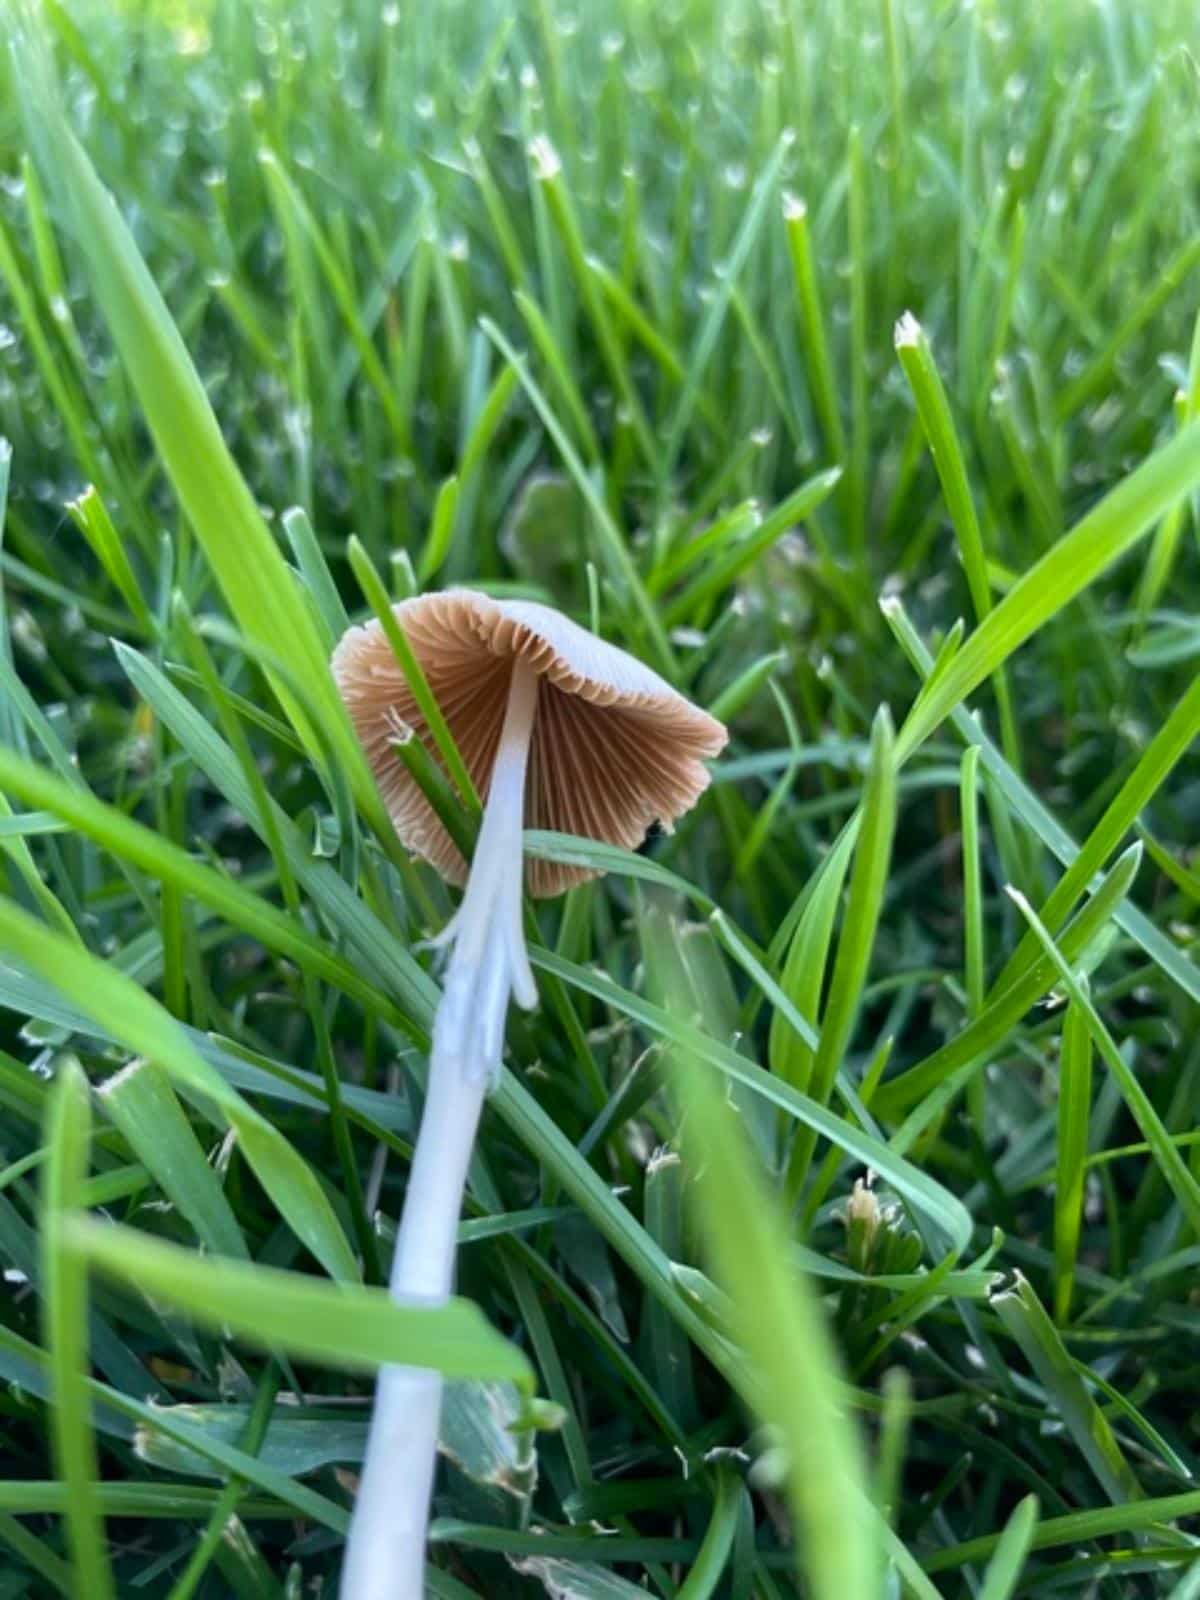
(585, 303)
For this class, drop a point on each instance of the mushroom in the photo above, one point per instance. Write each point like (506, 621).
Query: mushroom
(559, 730)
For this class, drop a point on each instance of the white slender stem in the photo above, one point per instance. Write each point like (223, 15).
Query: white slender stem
(385, 1554)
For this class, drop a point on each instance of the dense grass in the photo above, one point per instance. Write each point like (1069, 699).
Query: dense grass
(585, 302)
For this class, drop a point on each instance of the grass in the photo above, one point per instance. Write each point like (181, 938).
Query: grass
(841, 362)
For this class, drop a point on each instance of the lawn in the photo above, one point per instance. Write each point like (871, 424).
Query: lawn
(833, 1227)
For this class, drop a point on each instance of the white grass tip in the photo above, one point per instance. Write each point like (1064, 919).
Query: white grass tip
(1020, 900)
(662, 1157)
(890, 605)
(794, 209)
(131, 1069)
(907, 331)
(545, 158)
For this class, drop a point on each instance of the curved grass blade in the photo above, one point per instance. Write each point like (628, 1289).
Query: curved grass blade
(1125, 515)
(215, 497)
(928, 1197)
(141, 1024)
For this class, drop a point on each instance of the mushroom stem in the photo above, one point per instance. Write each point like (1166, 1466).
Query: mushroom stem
(385, 1554)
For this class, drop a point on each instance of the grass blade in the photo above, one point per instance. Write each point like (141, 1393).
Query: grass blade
(142, 1104)
(1181, 1180)
(64, 1317)
(213, 493)
(1004, 1569)
(1023, 1314)
(868, 880)
(336, 1324)
(1111, 528)
(793, 1374)
(972, 1046)
(133, 1017)
(1074, 1114)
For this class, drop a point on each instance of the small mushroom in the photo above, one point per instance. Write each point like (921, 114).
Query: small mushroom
(558, 730)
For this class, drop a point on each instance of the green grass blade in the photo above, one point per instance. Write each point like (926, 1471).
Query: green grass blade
(64, 1318)
(973, 1045)
(558, 367)
(213, 493)
(613, 549)
(316, 574)
(336, 1324)
(36, 1554)
(803, 977)
(737, 558)
(856, 246)
(142, 1104)
(1018, 796)
(1074, 1114)
(375, 948)
(148, 850)
(812, 326)
(1179, 1177)
(1025, 1318)
(713, 1556)
(90, 516)
(868, 881)
(377, 598)
(710, 328)
(793, 1373)
(1111, 528)
(1170, 743)
(1004, 1569)
(933, 1201)
(140, 1023)
(441, 530)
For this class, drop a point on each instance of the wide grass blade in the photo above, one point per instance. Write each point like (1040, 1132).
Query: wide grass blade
(148, 850)
(1078, 1528)
(340, 1325)
(375, 948)
(244, 557)
(133, 1017)
(1023, 1314)
(934, 1202)
(1124, 516)
(1004, 1569)
(64, 1320)
(1169, 744)
(1025, 804)
(140, 1101)
(793, 1376)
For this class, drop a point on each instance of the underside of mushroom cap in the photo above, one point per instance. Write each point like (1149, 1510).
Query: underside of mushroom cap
(614, 747)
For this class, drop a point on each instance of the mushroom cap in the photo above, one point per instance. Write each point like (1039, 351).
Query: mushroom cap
(614, 747)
